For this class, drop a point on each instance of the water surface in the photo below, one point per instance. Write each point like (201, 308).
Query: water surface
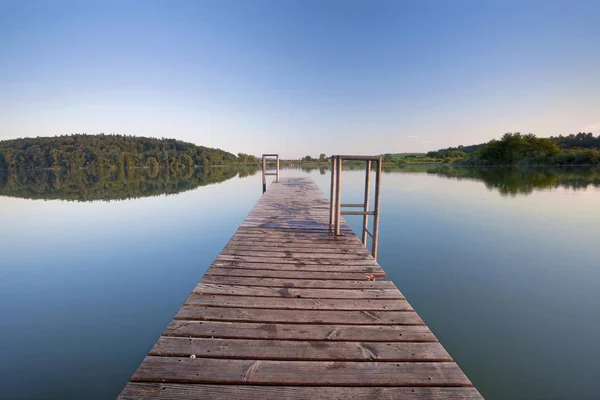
(503, 265)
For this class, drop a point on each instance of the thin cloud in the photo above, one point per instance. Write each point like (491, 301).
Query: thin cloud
(411, 137)
(592, 128)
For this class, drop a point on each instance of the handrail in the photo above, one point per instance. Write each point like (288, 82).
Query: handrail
(264, 170)
(335, 200)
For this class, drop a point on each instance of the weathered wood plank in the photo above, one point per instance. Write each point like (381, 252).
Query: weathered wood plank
(298, 350)
(348, 317)
(350, 256)
(330, 247)
(299, 266)
(297, 259)
(285, 274)
(171, 391)
(326, 373)
(298, 283)
(233, 290)
(269, 240)
(297, 304)
(293, 249)
(357, 333)
(288, 305)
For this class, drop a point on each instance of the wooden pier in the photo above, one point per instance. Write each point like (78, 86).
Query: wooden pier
(286, 312)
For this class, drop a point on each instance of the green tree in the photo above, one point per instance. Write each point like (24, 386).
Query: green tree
(101, 151)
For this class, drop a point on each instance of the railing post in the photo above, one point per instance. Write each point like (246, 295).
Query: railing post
(264, 173)
(366, 205)
(376, 209)
(333, 193)
(338, 197)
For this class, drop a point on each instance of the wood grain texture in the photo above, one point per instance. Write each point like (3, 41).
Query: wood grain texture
(284, 274)
(332, 332)
(293, 303)
(306, 293)
(298, 259)
(174, 391)
(299, 283)
(326, 373)
(299, 266)
(325, 317)
(286, 312)
(298, 350)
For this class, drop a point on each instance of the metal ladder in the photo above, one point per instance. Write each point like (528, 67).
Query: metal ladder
(335, 202)
(264, 170)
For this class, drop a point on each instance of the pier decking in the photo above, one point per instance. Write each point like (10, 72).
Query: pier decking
(286, 312)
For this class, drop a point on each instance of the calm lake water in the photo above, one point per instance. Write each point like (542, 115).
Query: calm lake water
(504, 266)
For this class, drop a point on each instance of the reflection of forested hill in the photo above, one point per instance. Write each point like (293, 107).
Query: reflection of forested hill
(105, 184)
(515, 181)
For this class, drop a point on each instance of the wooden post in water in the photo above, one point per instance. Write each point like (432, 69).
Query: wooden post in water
(338, 195)
(332, 195)
(264, 173)
(366, 206)
(375, 235)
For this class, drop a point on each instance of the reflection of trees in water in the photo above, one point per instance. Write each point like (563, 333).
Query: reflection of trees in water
(110, 184)
(516, 181)
(247, 171)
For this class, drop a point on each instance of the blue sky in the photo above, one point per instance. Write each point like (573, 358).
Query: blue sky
(301, 77)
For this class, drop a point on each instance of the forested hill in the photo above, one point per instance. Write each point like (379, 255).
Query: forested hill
(516, 148)
(100, 151)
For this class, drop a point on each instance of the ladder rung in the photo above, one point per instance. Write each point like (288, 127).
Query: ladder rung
(352, 205)
(358, 213)
(369, 233)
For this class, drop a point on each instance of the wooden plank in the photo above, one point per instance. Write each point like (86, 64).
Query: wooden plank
(170, 391)
(233, 290)
(326, 373)
(280, 235)
(308, 239)
(294, 246)
(284, 274)
(290, 234)
(332, 332)
(350, 256)
(299, 266)
(313, 249)
(298, 283)
(297, 304)
(297, 259)
(298, 350)
(287, 305)
(346, 317)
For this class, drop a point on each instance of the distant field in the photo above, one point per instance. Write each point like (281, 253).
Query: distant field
(399, 156)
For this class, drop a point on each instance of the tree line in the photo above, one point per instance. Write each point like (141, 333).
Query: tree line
(111, 151)
(517, 148)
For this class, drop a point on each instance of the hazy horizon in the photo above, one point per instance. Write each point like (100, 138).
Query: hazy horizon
(301, 78)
